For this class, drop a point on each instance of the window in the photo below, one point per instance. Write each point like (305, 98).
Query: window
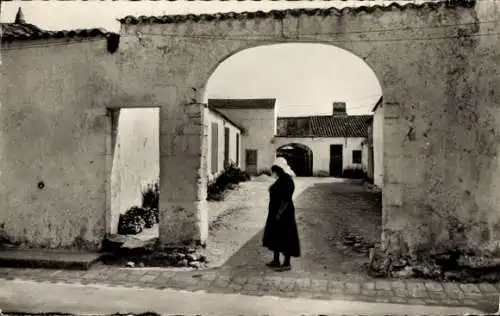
(356, 156)
(238, 150)
(214, 165)
(226, 145)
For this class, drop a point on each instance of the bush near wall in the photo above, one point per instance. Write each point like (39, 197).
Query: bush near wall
(264, 172)
(354, 173)
(137, 218)
(228, 179)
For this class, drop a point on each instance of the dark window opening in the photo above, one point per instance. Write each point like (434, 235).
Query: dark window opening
(356, 156)
(226, 145)
(215, 149)
(237, 149)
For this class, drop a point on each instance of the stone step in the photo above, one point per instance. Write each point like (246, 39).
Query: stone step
(29, 258)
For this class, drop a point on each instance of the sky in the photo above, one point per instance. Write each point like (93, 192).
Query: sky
(301, 86)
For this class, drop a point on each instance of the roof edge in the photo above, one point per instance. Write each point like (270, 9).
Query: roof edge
(241, 128)
(326, 115)
(280, 14)
(378, 104)
(40, 34)
(270, 100)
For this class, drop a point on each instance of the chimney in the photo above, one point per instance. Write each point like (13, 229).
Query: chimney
(339, 108)
(20, 17)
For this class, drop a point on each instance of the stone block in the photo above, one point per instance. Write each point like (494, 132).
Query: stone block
(178, 178)
(394, 170)
(194, 128)
(193, 145)
(183, 222)
(392, 110)
(164, 96)
(415, 169)
(393, 194)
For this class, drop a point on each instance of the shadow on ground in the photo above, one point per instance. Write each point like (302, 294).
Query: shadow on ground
(325, 212)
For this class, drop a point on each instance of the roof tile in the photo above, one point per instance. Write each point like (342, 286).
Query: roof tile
(280, 14)
(16, 32)
(324, 126)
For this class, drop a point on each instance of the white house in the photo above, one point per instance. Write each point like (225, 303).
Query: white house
(378, 143)
(324, 145)
(257, 117)
(224, 142)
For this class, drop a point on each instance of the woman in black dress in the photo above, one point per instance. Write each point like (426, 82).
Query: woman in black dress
(280, 233)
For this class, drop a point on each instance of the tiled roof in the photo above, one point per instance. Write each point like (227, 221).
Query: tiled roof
(18, 32)
(280, 14)
(324, 126)
(242, 103)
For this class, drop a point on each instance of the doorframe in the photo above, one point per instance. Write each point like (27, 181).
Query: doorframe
(110, 143)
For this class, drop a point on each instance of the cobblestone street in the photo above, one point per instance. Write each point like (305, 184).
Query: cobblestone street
(327, 209)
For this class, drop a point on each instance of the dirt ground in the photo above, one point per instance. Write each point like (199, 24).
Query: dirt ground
(328, 212)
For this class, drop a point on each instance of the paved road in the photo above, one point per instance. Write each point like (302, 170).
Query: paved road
(31, 297)
(326, 209)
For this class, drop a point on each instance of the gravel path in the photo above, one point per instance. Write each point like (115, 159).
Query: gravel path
(334, 216)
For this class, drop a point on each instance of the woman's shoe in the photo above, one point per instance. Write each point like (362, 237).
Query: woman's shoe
(273, 264)
(284, 268)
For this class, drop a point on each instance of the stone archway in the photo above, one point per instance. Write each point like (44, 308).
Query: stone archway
(299, 157)
(424, 73)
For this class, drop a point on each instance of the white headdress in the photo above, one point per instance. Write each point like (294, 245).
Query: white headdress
(283, 164)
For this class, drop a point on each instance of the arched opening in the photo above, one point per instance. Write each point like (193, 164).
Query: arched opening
(297, 108)
(299, 157)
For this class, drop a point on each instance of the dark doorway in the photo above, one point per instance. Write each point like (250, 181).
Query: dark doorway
(226, 146)
(336, 160)
(299, 157)
(251, 161)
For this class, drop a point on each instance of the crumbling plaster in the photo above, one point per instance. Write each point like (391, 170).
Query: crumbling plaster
(441, 112)
(436, 171)
(53, 133)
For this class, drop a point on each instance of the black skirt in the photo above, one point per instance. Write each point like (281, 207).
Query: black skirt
(281, 234)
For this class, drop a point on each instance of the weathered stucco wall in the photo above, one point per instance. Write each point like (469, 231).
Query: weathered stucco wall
(53, 133)
(213, 117)
(135, 159)
(259, 127)
(441, 120)
(426, 145)
(378, 147)
(321, 151)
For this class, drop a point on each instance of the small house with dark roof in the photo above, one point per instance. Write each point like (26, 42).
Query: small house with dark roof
(257, 119)
(331, 145)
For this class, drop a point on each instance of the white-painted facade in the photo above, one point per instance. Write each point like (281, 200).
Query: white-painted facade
(378, 146)
(213, 118)
(320, 147)
(136, 157)
(260, 127)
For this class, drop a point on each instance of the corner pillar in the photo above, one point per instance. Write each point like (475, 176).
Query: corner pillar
(183, 207)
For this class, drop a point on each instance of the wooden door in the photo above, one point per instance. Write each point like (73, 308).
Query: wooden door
(251, 161)
(336, 161)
